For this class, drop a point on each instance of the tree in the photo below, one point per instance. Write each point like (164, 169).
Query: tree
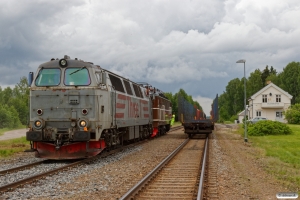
(1, 96)
(254, 83)
(173, 100)
(9, 117)
(7, 95)
(15, 101)
(275, 79)
(224, 107)
(290, 78)
(235, 95)
(266, 73)
(21, 107)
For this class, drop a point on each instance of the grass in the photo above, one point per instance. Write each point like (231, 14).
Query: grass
(10, 147)
(282, 155)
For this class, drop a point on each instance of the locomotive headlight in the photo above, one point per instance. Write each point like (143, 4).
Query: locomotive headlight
(38, 124)
(39, 112)
(63, 62)
(82, 123)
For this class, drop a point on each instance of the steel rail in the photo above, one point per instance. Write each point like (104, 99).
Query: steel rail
(6, 171)
(142, 182)
(31, 179)
(201, 182)
(28, 180)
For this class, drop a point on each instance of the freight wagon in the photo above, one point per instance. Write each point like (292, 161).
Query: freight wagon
(193, 121)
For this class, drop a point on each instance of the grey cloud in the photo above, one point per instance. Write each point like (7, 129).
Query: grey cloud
(172, 43)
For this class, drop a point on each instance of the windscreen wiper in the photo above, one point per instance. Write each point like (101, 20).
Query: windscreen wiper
(77, 70)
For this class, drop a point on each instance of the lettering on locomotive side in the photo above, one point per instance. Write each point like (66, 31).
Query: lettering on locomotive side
(133, 109)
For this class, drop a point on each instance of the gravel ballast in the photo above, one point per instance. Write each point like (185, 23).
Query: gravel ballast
(240, 171)
(107, 178)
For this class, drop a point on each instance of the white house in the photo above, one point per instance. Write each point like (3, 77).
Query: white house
(269, 102)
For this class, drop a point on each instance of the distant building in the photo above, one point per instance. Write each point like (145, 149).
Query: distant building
(269, 102)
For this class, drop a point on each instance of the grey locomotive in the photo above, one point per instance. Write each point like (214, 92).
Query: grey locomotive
(77, 109)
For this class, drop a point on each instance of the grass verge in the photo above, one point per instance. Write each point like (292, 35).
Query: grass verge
(10, 147)
(282, 155)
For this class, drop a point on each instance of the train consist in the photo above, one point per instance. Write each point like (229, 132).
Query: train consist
(78, 109)
(194, 120)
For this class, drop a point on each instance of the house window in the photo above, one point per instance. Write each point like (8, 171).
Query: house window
(264, 98)
(278, 114)
(278, 98)
(258, 113)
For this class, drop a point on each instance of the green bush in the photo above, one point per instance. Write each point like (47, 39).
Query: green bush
(234, 117)
(267, 127)
(292, 115)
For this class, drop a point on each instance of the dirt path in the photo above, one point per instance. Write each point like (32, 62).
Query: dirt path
(13, 134)
(241, 169)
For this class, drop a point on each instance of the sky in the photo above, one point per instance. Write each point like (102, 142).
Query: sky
(170, 44)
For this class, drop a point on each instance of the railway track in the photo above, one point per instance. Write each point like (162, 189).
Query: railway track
(31, 179)
(15, 169)
(179, 176)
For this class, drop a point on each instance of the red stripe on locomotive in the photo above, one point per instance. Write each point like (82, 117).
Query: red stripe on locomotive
(120, 105)
(122, 97)
(119, 115)
(143, 101)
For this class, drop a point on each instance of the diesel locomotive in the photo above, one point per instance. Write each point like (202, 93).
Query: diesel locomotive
(78, 109)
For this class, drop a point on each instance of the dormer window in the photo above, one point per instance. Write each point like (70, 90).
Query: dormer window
(278, 98)
(264, 98)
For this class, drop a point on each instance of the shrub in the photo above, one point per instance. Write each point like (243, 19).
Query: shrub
(234, 117)
(267, 127)
(292, 115)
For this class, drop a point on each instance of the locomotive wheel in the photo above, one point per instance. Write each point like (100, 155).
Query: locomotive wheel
(150, 131)
(108, 139)
(146, 133)
(142, 135)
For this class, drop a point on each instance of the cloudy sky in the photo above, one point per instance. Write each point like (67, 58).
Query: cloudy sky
(171, 44)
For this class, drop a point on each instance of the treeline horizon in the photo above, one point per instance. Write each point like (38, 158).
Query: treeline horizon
(231, 102)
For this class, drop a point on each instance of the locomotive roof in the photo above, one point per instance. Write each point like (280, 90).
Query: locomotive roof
(53, 63)
(74, 62)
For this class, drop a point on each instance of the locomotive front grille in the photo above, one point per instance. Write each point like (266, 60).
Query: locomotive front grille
(62, 130)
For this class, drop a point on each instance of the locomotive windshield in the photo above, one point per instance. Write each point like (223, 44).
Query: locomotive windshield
(77, 76)
(48, 77)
